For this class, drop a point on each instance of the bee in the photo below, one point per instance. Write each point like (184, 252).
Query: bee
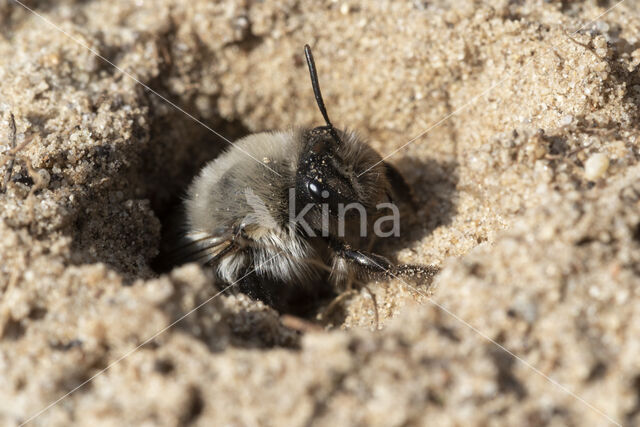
(299, 223)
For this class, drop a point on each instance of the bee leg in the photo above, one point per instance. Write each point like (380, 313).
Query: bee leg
(367, 261)
(346, 293)
(326, 313)
(375, 307)
(377, 264)
(422, 274)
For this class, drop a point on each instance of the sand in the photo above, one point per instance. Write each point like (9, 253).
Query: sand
(525, 165)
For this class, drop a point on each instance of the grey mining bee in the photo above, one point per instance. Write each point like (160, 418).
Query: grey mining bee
(308, 205)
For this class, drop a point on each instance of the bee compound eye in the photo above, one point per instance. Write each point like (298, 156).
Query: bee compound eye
(317, 190)
(314, 189)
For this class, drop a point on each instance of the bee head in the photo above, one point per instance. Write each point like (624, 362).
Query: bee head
(321, 177)
(335, 168)
(319, 180)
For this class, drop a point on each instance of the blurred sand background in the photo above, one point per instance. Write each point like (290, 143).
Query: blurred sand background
(529, 201)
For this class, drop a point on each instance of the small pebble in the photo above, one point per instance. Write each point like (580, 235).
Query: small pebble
(566, 120)
(596, 166)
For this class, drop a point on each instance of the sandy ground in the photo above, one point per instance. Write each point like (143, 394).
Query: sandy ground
(529, 201)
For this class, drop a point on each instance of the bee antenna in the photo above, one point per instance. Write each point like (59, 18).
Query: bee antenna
(316, 91)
